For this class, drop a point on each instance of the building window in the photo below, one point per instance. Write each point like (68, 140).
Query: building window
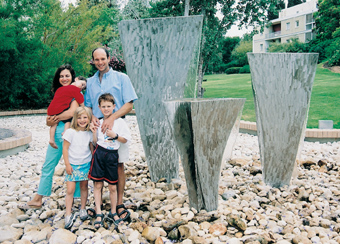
(308, 36)
(288, 26)
(309, 27)
(261, 47)
(309, 18)
(297, 23)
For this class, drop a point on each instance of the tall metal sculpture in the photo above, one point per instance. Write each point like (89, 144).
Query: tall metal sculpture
(202, 128)
(161, 57)
(282, 85)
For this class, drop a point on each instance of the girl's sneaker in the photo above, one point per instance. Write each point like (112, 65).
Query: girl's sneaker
(69, 220)
(83, 214)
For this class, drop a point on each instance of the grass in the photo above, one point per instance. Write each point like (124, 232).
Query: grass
(324, 105)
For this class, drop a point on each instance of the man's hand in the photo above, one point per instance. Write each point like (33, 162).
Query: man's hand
(108, 123)
(52, 120)
(69, 169)
(95, 121)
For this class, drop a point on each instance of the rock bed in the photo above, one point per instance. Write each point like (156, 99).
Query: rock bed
(249, 211)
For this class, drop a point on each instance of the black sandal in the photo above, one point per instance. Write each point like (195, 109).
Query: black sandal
(111, 218)
(91, 212)
(127, 216)
(99, 223)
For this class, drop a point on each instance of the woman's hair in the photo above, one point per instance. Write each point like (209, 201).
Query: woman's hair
(56, 83)
(79, 111)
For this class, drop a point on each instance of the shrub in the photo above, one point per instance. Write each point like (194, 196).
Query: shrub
(233, 70)
(245, 69)
(233, 63)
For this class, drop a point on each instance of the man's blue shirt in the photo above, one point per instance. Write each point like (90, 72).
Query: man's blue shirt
(116, 83)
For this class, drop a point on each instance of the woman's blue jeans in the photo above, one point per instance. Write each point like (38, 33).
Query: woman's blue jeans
(52, 159)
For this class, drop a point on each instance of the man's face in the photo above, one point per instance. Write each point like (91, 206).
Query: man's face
(101, 61)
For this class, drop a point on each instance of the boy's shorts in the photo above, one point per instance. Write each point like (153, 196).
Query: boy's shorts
(104, 166)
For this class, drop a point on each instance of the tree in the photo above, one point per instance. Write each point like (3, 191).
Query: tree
(229, 43)
(136, 9)
(274, 14)
(240, 51)
(327, 29)
(39, 36)
(292, 3)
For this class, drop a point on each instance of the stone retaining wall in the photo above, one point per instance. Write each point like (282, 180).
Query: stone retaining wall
(245, 127)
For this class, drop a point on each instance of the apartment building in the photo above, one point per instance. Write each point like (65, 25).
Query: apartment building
(293, 22)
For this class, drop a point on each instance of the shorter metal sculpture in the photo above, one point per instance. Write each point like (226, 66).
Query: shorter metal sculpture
(201, 129)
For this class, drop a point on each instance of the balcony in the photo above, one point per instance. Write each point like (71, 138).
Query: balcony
(273, 34)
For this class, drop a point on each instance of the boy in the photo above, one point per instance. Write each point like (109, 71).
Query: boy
(62, 100)
(104, 165)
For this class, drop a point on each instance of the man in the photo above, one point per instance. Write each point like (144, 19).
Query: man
(106, 80)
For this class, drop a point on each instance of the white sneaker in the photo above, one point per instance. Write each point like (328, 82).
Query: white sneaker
(83, 214)
(69, 220)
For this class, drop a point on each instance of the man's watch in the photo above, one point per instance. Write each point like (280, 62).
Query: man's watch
(116, 137)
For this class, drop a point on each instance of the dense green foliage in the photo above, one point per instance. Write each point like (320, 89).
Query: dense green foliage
(324, 103)
(292, 3)
(240, 52)
(327, 21)
(294, 46)
(39, 36)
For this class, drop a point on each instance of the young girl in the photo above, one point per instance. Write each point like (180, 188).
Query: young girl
(77, 154)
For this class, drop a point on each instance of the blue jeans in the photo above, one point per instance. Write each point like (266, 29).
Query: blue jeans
(52, 159)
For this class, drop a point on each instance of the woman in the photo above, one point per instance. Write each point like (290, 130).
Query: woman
(64, 76)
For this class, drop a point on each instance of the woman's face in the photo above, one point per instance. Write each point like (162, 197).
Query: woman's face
(65, 77)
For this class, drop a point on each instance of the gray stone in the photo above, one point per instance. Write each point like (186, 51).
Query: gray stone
(62, 236)
(10, 234)
(202, 128)
(161, 57)
(282, 85)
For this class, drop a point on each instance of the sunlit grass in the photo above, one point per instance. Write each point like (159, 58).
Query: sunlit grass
(324, 105)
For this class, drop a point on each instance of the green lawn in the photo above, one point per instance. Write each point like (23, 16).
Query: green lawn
(325, 101)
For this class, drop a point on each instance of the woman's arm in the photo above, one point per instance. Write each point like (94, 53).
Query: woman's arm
(66, 145)
(52, 120)
(68, 114)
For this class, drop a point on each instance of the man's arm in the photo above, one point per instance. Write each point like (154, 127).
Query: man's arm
(108, 123)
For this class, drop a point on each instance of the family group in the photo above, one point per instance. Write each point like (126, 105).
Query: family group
(90, 132)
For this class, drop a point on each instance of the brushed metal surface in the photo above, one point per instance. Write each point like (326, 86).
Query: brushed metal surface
(282, 85)
(202, 128)
(161, 57)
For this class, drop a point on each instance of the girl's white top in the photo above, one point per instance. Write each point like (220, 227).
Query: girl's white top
(79, 151)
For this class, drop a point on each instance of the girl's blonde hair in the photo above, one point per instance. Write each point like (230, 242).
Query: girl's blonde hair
(79, 111)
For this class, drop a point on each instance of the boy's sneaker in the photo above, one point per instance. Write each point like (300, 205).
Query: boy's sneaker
(69, 220)
(83, 214)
